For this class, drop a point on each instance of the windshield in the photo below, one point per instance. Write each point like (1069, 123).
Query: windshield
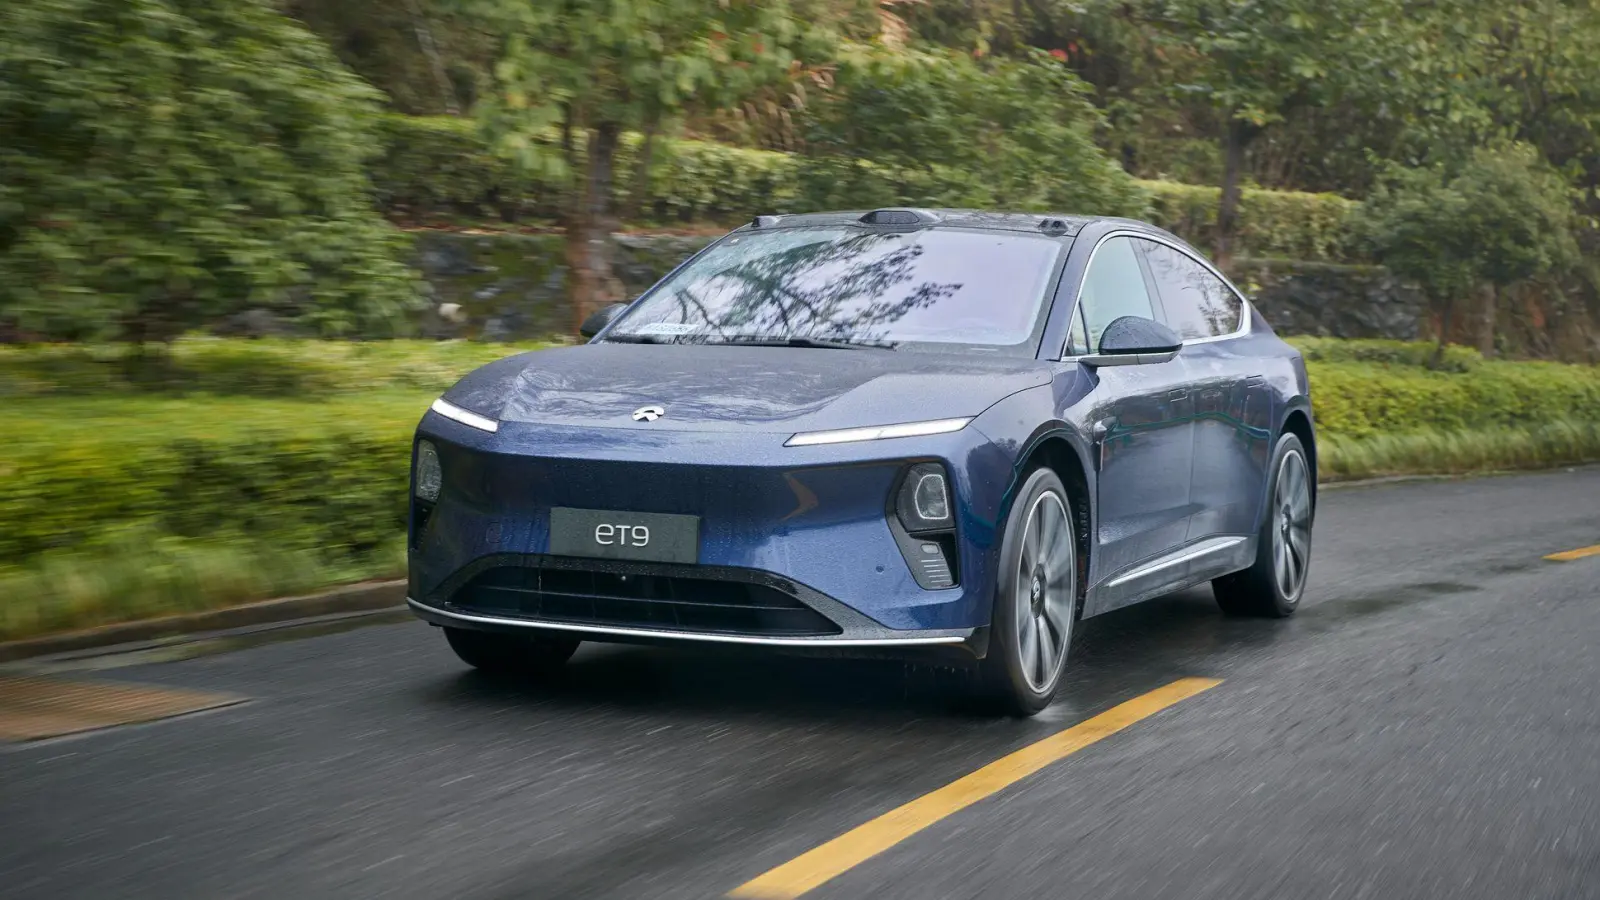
(852, 285)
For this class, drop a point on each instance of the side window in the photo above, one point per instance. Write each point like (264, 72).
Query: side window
(1197, 303)
(1113, 287)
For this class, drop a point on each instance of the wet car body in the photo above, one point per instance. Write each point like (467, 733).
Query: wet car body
(1164, 470)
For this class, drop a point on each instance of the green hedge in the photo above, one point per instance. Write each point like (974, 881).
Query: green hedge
(442, 165)
(1287, 224)
(252, 368)
(283, 467)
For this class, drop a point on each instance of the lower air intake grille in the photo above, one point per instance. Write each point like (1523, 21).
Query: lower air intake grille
(665, 602)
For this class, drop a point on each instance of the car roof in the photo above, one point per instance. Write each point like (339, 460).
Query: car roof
(1053, 224)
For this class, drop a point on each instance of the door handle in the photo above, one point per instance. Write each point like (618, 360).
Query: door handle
(1177, 395)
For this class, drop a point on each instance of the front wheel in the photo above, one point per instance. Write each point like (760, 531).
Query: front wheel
(1272, 586)
(1036, 600)
(511, 654)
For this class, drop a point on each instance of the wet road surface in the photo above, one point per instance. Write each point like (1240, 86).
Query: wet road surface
(1427, 726)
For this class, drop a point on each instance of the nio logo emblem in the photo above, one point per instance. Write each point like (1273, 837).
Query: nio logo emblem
(648, 413)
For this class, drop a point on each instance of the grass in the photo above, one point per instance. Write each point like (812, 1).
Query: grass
(1435, 452)
(139, 579)
(256, 469)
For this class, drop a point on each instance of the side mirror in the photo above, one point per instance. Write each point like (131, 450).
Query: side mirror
(1134, 341)
(600, 318)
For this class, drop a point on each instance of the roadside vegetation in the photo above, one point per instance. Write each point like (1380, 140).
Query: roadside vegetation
(173, 168)
(255, 469)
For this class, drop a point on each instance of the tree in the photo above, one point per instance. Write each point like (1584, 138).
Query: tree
(939, 128)
(1501, 217)
(1256, 62)
(589, 71)
(166, 162)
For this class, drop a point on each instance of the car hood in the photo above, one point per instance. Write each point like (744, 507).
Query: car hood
(721, 388)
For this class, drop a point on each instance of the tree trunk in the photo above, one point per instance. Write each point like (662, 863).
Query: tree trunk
(430, 50)
(1444, 334)
(1234, 139)
(591, 283)
(1489, 298)
(641, 174)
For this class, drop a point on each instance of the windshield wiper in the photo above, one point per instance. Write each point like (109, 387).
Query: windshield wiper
(640, 339)
(820, 343)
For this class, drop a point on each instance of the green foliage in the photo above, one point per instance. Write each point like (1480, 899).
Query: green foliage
(1285, 224)
(1500, 217)
(442, 164)
(311, 477)
(1386, 352)
(699, 181)
(245, 368)
(166, 162)
(1365, 399)
(145, 576)
(120, 503)
(1013, 134)
(1434, 452)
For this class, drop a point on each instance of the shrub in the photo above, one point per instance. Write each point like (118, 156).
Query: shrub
(1288, 224)
(1012, 134)
(1386, 351)
(166, 162)
(441, 165)
(256, 368)
(1361, 400)
(138, 503)
(433, 164)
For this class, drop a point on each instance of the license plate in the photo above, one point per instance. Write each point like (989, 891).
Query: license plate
(652, 537)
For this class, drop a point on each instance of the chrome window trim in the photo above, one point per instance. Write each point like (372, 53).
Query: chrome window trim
(1245, 309)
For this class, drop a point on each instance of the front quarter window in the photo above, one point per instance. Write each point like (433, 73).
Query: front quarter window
(935, 286)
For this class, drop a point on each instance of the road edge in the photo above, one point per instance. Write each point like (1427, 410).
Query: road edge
(353, 598)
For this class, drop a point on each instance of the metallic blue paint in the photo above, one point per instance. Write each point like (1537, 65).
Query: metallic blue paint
(1171, 453)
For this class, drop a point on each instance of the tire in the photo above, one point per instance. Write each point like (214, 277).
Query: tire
(1274, 583)
(1034, 610)
(509, 654)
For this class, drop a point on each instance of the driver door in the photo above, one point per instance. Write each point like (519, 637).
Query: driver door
(1142, 417)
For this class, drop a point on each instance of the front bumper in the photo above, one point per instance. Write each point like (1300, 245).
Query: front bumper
(813, 518)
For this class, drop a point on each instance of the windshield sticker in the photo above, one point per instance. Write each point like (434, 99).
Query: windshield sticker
(665, 328)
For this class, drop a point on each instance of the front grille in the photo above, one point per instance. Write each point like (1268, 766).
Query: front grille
(667, 602)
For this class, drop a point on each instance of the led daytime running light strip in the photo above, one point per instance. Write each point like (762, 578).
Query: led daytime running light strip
(877, 433)
(465, 416)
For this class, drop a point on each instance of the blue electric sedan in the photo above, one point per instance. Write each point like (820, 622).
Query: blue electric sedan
(935, 434)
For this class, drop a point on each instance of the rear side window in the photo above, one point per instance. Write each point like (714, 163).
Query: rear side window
(1198, 304)
(1113, 287)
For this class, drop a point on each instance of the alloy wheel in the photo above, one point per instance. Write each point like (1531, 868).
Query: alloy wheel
(1291, 533)
(1045, 591)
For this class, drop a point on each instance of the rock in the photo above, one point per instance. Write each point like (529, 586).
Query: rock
(256, 323)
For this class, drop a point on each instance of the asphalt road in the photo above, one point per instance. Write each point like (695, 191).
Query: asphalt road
(1427, 726)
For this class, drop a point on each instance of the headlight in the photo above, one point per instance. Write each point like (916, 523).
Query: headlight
(429, 476)
(924, 501)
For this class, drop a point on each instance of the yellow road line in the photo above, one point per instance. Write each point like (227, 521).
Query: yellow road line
(1570, 555)
(863, 842)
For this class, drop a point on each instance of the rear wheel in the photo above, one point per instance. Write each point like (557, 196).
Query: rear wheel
(511, 654)
(1036, 600)
(1272, 586)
